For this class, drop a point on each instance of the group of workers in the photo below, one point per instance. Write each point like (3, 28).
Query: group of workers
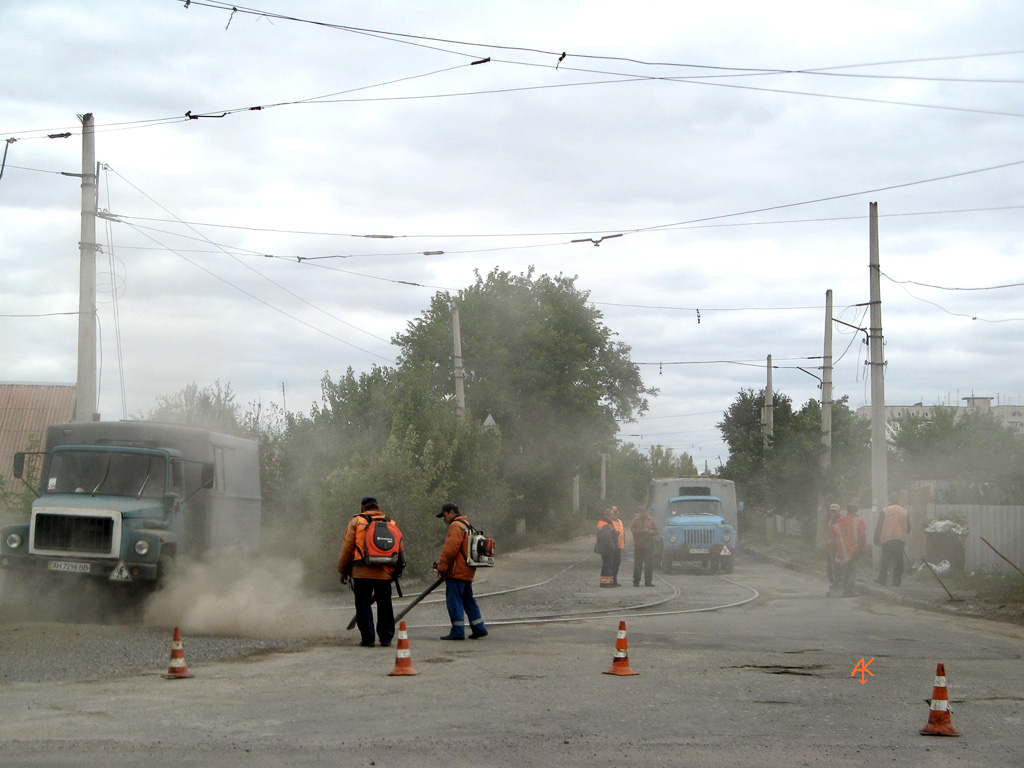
(846, 541)
(371, 583)
(611, 540)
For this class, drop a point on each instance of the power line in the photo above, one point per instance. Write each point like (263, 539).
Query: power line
(260, 274)
(634, 230)
(959, 314)
(561, 56)
(946, 288)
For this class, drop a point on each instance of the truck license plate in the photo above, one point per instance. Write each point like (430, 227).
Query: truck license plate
(700, 551)
(63, 565)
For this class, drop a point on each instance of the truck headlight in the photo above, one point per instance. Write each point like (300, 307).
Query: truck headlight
(727, 537)
(142, 547)
(13, 541)
(672, 539)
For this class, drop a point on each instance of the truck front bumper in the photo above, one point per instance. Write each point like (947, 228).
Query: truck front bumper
(113, 570)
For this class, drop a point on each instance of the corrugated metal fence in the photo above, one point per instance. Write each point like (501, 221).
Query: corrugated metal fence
(1002, 526)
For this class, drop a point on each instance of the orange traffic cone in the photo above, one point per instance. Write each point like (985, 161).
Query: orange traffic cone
(403, 661)
(177, 669)
(939, 723)
(620, 662)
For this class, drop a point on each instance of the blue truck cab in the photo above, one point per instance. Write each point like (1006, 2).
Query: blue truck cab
(695, 530)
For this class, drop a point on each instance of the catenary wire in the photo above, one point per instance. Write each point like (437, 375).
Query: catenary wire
(260, 274)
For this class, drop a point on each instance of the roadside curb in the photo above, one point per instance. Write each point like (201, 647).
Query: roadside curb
(861, 586)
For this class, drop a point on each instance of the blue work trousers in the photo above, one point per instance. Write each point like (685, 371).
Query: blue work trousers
(458, 596)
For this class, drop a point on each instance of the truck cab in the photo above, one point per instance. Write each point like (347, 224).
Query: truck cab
(695, 530)
(698, 517)
(122, 500)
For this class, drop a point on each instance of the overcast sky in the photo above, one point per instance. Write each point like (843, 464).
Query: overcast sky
(734, 146)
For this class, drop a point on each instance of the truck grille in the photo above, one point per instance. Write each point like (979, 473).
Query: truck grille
(73, 533)
(700, 537)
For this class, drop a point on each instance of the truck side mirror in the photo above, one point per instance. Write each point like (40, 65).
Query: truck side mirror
(19, 464)
(206, 475)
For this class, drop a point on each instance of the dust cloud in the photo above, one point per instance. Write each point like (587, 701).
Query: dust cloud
(49, 598)
(247, 595)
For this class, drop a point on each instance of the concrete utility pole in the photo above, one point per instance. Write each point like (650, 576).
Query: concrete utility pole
(879, 463)
(604, 476)
(768, 410)
(460, 394)
(825, 460)
(826, 388)
(85, 388)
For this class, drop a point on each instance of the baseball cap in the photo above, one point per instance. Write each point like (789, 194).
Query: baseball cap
(449, 507)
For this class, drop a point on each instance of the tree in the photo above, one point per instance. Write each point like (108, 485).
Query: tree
(786, 475)
(664, 463)
(540, 361)
(972, 457)
(213, 407)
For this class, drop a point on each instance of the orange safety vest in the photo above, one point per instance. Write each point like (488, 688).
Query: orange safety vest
(620, 529)
(849, 535)
(894, 524)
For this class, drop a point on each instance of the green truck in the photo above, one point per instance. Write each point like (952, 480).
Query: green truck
(122, 500)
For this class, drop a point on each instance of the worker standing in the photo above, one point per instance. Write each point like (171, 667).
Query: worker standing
(645, 534)
(834, 513)
(848, 537)
(620, 542)
(371, 583)
(891, 534)
(607, 547)
(458, 576)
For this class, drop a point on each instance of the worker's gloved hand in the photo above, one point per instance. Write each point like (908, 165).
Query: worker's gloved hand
(344, 578)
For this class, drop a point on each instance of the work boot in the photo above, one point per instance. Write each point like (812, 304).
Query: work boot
(452, 637)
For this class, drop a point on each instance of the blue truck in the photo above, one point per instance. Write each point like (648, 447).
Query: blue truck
(122, 500)
(698, 521)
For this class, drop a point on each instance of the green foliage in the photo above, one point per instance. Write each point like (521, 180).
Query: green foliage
(787, 476)
(664, 463)
(538, 359)
(973, 456)
(212, 407)
(629, 477)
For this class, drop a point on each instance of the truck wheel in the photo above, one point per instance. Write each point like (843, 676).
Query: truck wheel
(725, 563)
(666, 564)
(164, 572)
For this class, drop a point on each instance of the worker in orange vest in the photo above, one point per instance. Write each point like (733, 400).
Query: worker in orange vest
(848, 539)
(891, 534)
(620, 530)
(607, 547)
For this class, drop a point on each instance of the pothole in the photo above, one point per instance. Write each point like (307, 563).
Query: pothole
(807, 670)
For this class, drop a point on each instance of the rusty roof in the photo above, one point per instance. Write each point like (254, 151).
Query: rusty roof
(25, 412)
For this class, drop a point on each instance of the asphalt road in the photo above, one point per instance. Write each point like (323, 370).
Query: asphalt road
(767, 682)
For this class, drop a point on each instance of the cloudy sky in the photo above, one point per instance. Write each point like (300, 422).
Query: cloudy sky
(735, 147)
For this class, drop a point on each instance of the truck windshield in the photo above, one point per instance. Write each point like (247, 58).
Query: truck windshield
(695, 507)
(109, 473)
